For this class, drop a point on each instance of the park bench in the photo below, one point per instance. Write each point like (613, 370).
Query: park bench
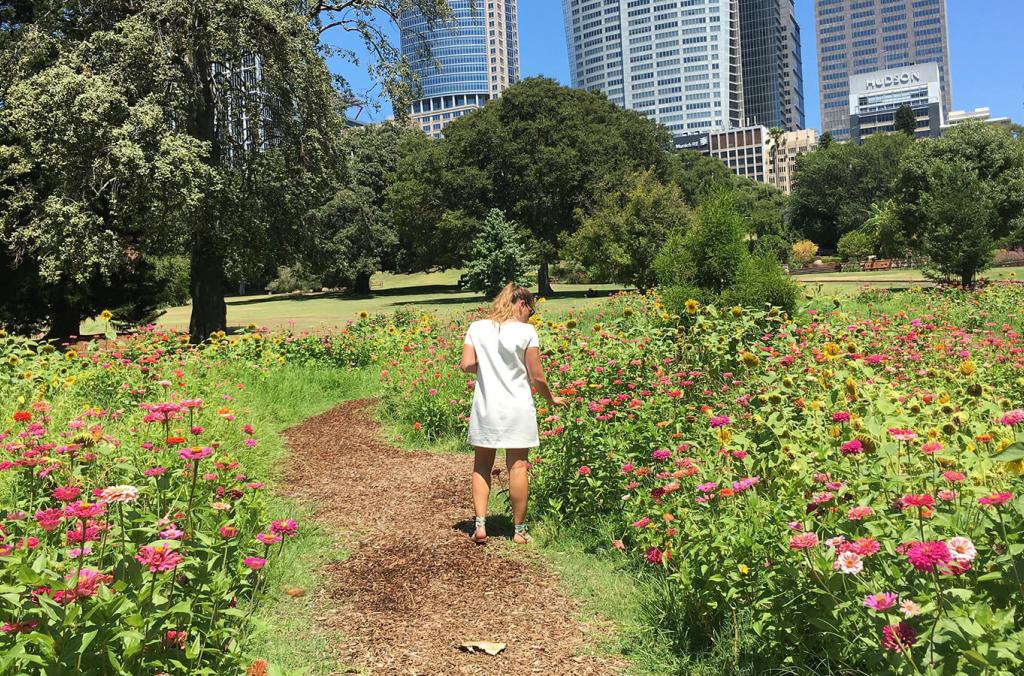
(883, 264)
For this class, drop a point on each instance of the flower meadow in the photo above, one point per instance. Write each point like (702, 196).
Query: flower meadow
(133, 537)
(836, 492)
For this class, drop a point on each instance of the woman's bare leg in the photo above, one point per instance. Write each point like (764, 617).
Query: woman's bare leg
(518, 483)
(483, 462)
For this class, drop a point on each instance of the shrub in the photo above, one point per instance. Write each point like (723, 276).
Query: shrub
(774, 245)
(804, 252)
(855, 245)
(709, 255)
(760, 283)
(498, 256)
(172, 273)
(294, 278)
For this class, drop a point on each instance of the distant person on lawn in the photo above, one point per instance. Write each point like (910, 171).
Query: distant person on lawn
(503, 351)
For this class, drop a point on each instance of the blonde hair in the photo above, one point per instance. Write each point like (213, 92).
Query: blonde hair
(503, 308)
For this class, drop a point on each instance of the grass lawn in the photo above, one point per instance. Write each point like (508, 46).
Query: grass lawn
(435, 291)
(850, 283)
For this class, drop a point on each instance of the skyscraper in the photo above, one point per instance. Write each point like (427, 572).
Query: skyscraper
(773, 85)
(861, 36)
(676, 61)
(463, 63)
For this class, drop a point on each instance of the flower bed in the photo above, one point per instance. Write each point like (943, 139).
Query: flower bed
(845, 490)
(132, 540)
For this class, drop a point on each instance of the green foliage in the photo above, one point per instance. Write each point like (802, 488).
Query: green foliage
(296, 277)
(538, 153)
(825, 140)
(172, 279)
(988, 203)
(697, 174)
(773, 245)
(906, 121)
(835, 186)
(761, 283)
(619, 241)
(498, 256)
(855, 246)
(714, 246)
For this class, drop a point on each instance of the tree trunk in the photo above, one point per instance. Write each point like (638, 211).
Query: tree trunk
(66, 318)
(209, 311)
(544, 279)
(361, 286)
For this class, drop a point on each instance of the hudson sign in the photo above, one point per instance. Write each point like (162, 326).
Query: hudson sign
(893, 80)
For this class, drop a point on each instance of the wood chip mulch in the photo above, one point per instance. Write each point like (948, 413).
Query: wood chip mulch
(415, 586)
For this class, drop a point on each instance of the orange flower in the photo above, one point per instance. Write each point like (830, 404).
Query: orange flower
(726, 493)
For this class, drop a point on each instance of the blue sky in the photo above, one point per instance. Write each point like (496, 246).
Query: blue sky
(986, 52)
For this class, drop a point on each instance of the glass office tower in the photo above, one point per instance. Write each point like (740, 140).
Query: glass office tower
(676, 61)
(463, 63)
(773, 86)
(861, 36)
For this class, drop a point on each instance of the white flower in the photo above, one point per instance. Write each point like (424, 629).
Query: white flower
(909, 608)
(961, 549)
(119, 494)
(848, 563)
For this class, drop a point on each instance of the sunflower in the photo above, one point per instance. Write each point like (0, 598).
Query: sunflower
(691, 306)
(363, 314)
(106, 315)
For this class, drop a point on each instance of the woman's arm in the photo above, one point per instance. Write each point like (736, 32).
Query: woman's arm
(468, 363)
(536, 373)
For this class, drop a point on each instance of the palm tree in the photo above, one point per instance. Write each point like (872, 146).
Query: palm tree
(777, 135)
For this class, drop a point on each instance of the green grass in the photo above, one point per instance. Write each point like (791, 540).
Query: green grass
(435, 291)
(851, 283)
(286, 632)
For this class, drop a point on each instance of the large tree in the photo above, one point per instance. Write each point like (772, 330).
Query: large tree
(542, 151)
(961, 195)
(619, 241)
(234, 95)
(834, 187)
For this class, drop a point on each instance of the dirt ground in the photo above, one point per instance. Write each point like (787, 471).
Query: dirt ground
(415, 586)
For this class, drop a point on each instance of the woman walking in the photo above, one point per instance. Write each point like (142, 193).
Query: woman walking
(503, 351)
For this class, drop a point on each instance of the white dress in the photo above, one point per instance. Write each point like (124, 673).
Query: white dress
(503, 414)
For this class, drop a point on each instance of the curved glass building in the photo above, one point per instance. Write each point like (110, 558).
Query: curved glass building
(463, 63)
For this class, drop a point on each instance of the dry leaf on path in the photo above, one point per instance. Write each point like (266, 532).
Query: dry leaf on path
(482, 646)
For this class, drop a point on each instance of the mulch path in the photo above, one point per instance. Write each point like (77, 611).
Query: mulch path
(415, 586)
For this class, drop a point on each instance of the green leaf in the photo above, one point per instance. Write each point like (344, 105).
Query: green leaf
(976, 657)
(1011, 453)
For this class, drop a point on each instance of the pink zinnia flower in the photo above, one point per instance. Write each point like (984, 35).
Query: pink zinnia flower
(627, 468)
(158, 558)
(653, 555)
(848, 563)
(84, 510)
(254, 562)
(155, 471)
(172, 533)
(661, 454)
(841, 417)
(953, 477)
(707, 487)
(228, 532)
(931, 447)
(66, 493)
(880, 602)
(642, 523)
(852, 447)
(898, 637)
(1013, 418)
(926, 556)
(269, 538)
(49, 519)
(995, 499)
(195, 453)
(859, 512)
(864, 547)
(719, 421)
(917, 500)
(285, 527)
(947, 495)
(803, 541)
(900, 434)
(584, 471)
(89, 581)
